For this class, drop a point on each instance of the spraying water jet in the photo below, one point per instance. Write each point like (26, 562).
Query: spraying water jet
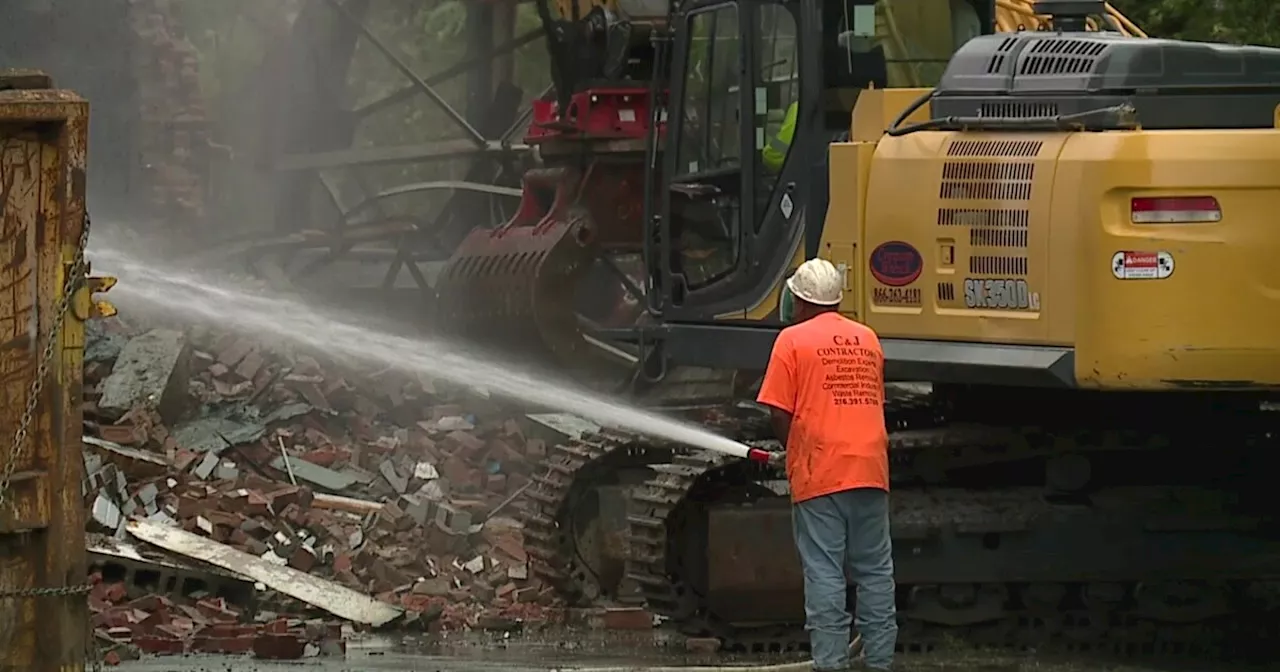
(187, 293)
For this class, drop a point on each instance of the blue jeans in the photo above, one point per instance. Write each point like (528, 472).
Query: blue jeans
(847, 530)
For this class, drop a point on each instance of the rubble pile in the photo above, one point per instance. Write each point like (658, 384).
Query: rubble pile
(154, 624)
(384, 484)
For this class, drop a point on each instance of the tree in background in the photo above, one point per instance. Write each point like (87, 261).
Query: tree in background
(1234, 21)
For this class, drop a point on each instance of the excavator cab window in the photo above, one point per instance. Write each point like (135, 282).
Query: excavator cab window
(706, 185)
(895, 43)
(708, 140)
(777, 88)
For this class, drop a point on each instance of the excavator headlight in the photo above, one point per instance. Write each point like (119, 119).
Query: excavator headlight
(1175, 210)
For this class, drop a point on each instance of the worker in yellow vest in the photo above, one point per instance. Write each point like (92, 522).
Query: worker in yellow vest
(775, 151)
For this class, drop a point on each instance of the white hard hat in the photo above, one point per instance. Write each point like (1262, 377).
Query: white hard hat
(817, 282)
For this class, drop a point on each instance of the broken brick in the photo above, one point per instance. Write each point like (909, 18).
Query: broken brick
(419, 472)
(273, 646)
(155, 645)
(627, 618)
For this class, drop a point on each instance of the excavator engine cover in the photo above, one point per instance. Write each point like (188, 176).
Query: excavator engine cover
(1169, 84)
(512, 288)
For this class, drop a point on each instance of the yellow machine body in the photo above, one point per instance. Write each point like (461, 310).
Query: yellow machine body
(1028, 239)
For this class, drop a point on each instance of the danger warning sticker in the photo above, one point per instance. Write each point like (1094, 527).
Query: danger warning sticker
(1142, 265)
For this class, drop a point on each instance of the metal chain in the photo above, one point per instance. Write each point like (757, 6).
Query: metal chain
(60, 591)
(17, 451)
(75, 275)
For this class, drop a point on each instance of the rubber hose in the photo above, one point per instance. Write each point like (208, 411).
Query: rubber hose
(800, 666)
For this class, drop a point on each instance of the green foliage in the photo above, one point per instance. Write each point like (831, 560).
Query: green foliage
(1233, 21)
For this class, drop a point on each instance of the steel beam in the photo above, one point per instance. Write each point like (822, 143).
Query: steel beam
(476, 138)
(479, 30)
(445, 75)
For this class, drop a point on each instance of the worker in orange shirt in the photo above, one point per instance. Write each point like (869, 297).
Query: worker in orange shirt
(825, 388)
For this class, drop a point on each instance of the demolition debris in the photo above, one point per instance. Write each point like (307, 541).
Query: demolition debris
(367, 499)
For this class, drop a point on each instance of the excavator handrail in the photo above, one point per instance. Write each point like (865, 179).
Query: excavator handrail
(1024, 9)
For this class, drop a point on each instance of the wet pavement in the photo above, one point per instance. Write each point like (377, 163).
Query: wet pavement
(583, 651)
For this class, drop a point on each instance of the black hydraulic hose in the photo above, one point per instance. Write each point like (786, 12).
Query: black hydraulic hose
(916, 104)
(1114, 118)
(653, 266)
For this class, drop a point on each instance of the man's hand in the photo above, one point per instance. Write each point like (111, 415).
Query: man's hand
(778, 458)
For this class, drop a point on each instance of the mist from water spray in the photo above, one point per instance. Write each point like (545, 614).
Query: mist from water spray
(200, 298)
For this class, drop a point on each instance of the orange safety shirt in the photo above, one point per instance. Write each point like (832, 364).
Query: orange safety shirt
(828, 373)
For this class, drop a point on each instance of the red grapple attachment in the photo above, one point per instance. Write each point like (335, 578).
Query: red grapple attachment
(513, 287)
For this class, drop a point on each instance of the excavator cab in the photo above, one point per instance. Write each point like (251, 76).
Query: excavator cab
(729, 224)
(654, 232)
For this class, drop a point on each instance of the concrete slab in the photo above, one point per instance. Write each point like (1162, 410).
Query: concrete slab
(151, 370)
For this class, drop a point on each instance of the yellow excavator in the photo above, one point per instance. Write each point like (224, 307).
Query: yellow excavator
(1056, 224)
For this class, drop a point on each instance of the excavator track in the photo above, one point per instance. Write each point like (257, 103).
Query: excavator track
(1112, 606)
(1109, 609)
(549, 514)
(550, 528)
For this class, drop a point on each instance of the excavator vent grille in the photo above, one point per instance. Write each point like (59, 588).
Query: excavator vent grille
(981, 217)
(1002, 54)
(1060, 57)
(999, 236)
(972, 170)
(993, 148)
(997, 265)
(987, 191)
(1018, 110)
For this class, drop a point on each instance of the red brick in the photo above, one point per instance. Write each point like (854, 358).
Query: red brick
(627, 618)
(413, 602)
(456, 471)
(156, 645)
(151, 603)
(166, 630)
(702, 645)
(193, 614)
(183, 459)
(111, 659)
(238, 644)
(234, 352)
(272, 646)
(326, 457)
(216, 609)
(467, 443)
(110, 592)
(249, 366)
(302, 559)
(125, 435)
(281, 498)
